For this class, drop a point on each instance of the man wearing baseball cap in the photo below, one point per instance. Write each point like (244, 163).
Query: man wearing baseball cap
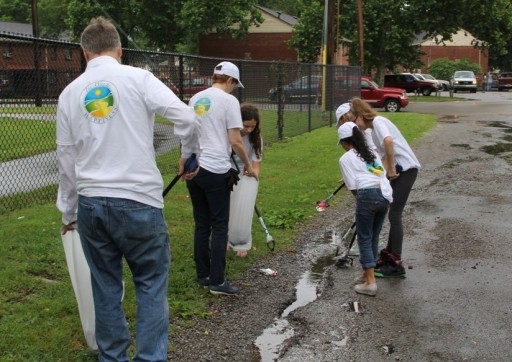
(210, 187)
(229, 69)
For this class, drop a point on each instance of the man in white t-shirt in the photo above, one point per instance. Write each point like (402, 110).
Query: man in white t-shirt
(219, 114)
(111, 188)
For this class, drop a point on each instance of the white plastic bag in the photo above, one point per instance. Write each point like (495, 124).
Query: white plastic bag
(81, 280)
(243, 199)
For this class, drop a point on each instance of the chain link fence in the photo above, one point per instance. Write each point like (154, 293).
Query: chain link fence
(292, 99)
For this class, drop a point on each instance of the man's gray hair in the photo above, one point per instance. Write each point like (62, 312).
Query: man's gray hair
(100, 36)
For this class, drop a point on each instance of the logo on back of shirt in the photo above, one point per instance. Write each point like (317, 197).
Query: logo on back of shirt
(100, 102)
(202, 106)
(375, 168)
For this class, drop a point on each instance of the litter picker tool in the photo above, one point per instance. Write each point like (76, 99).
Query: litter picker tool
(270, 240)
(322, 205)
(345, 261)
(190, 165)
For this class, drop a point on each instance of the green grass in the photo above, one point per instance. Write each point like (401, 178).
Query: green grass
(38, 312)
(24, 137)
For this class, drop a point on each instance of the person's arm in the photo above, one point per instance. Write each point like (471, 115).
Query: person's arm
(237, 144)
(256, 168)
(389, 157)
(67, 196)
(161, 100)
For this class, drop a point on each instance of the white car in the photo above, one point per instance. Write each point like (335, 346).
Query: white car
(464, 80)
(443, 84)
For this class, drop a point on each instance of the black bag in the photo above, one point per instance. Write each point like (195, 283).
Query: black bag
(232, 178)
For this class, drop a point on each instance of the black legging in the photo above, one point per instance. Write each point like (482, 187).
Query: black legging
(401, 189)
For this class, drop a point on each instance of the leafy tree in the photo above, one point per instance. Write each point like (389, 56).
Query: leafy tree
(19, 11)
(166, 24)
(444, 68)
(52, 15)
(307, 34)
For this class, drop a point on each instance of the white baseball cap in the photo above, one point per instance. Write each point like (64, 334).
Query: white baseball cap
(229, 69)
(344, 108)
(346, 130)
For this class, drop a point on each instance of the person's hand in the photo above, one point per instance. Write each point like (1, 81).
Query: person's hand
(249, 171)
(69, 227)
(186, 175)
(190, 175)
(393, 176)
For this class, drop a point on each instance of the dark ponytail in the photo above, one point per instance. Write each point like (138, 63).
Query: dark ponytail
(358, 142)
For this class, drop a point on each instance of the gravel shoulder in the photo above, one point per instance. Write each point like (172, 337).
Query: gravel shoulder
(454, 303)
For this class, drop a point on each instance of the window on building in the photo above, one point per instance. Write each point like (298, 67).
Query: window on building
(7, 51)
(52, 77)
(68, 54)
(53, 53)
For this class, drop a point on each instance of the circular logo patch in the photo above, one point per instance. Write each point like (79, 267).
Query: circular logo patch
(99, 101)
(202, 106)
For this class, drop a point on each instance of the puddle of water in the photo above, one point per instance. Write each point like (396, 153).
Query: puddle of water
(498, 124)
(271, 340)
(497, 148)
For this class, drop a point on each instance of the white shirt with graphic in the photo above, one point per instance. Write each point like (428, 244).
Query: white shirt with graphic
(217, 111)
(105, 122)
(358, 174)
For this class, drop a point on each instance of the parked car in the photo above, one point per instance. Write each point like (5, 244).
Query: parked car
(301, 89)
(410, 83)
(505, 81)
(391, 99)
(193, 85)
(443, 85)
(463, 80)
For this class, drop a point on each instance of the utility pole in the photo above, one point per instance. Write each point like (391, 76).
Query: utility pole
(37, 56)
(360, 33)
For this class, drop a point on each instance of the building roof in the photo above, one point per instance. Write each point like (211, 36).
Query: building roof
(460, 38)
(288, 19)
(15, 28)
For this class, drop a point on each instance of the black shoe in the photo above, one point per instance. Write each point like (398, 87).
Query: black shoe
(204, 282)
(224, 288)
(390, 271)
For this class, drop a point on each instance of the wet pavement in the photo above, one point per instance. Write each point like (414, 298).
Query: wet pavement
(454, 304)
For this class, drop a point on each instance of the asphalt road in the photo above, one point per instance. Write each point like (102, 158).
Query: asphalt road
(455, 304)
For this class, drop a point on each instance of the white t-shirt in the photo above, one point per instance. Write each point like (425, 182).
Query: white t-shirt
(105, 121)
(357, 174)
(250, 153)
(382, 128)
(217, 111)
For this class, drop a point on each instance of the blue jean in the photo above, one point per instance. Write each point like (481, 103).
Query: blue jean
(371, 209)
(210, 197)
(111, 228)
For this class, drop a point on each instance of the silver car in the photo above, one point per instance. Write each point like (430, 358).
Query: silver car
(464, 80)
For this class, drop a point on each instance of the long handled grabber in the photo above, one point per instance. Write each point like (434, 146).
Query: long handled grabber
(322, 205)
(190, 165)
(270, 240)
(345, 261)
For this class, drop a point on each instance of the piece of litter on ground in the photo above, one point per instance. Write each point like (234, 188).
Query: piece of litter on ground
(268, 271)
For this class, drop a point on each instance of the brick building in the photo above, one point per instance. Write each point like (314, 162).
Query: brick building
(460, 47)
